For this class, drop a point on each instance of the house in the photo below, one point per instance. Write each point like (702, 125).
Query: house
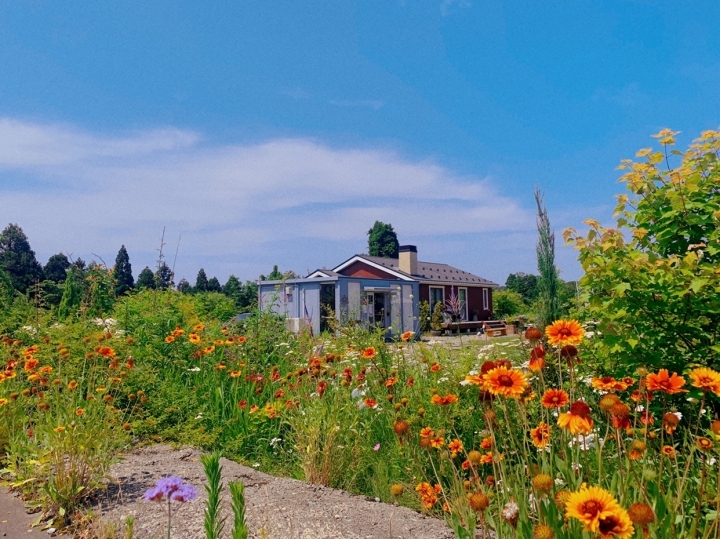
(376, 291)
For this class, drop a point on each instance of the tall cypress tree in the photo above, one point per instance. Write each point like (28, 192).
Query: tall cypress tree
(18, 259)
(549, 303)
(122, 272)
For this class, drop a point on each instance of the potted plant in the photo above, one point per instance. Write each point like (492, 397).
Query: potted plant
(437, 319)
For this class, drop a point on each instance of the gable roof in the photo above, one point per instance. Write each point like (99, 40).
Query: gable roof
(428, 272)
(372, 261)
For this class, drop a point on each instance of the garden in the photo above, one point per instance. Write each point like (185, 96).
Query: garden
(604, 423)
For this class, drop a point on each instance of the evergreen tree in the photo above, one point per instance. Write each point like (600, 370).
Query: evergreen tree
(122, 272)
(56, 267)
(17, 259)
(146, 279)
(382, 241)
(80, 264)
(549, 304)
(233, 289)
(214, 285)
(201, 281)
(184, 286)
(164, 277)
(72, 293)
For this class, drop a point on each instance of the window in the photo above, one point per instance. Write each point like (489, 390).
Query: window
(437, 294)
(486, 302)
(462, 296)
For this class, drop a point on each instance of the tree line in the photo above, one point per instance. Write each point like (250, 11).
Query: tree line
(62, 281)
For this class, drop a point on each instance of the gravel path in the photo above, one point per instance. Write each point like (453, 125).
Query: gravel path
(277, 508)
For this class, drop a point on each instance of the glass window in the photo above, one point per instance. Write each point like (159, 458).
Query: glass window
(462, 296)
(437, 294)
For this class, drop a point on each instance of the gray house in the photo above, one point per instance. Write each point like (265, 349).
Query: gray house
(375, 292)
(310, 302)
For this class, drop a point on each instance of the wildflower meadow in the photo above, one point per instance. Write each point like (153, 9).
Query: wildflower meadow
(605, 423)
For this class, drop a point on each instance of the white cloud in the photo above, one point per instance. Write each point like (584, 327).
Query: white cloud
(230, 202)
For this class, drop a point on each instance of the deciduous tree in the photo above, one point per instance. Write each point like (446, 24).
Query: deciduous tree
(652, 283)
(382, 241)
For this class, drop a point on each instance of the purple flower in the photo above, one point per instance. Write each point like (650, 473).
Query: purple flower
(173, 488)
(184, 494)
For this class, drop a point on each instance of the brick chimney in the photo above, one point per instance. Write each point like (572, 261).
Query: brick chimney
(408, 259)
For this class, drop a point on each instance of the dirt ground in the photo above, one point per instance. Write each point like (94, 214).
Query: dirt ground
(276, 508)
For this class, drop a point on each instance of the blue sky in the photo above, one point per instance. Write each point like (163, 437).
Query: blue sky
(277, 132)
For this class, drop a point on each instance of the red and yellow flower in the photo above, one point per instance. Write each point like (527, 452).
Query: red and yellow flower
(554, 398)
(505, 382)
(562, 332)
(577, 420)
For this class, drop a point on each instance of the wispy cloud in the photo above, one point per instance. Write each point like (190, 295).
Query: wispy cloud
(231, 201)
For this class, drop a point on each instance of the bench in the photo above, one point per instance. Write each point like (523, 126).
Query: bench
(494, 328)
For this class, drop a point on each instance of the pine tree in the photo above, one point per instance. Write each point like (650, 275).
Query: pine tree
(184, 286)
(122, 273)
(201, 281)
(146, 279)
(382, 241)
(164, 277)
(214, 285)
(17, 259)
(56, 268)
(233, 289)
(549, 304)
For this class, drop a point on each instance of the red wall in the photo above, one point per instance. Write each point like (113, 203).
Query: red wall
(361, 269)
(474, 300)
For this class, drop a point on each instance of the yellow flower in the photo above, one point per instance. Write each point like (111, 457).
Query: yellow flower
(599, 512)
(706, 379)
(506, 382)
(59, 429)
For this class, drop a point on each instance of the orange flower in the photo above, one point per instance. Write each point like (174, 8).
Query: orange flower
(564, 332)
(506, 382)
(487, 458)
(369, 353)
(406, 336)
(72, 385)
(577, 420)
(455, 447)
(608, 383)
(540, 435)
(241, 340)
(106, 351)
(668, 451)
(169, 339)
(706, 379)
(370, 403)
(486, 443)
(662, 381)
(427, 494)
(79, 412)
(234, 374)
(443, 400)
(435, 367)
(254, 408)
(391, 381)
(536, 364)
(554, 398)
(194, 338)
(427, 432)
(437, 442)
